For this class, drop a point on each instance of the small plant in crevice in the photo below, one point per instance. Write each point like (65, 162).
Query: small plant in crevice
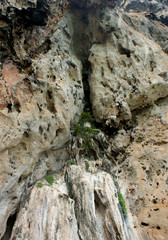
(71, 162)
(122, 203)
(49, 179)
(39, 185)
(87, 165)
(100, 155)
(86, 130)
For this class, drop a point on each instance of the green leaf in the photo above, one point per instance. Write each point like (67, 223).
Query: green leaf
(39, 185)
(87, 165)
(49, 179)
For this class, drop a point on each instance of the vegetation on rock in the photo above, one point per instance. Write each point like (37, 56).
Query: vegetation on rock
(50, 179)
(122, 203)
(86, 130)
(39, 185)
(71, 162)
(87, 165)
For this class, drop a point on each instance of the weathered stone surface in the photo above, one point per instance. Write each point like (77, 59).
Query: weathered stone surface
(44, 50)
(154, 9)
(93, 213)
(129, 71)
(49, 214)
(14, 90)
(36, 112)
(17, 4)
(143, 173)
(154, 30)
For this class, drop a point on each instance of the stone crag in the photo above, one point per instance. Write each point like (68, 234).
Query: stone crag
(58, 58)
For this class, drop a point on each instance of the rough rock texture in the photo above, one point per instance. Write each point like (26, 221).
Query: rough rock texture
(153, 30)
(154, 9)
(49, 213)
(133, 71)
(17, 4)
(55, 57)
(37, 106)
(92, 212)
(145, 170)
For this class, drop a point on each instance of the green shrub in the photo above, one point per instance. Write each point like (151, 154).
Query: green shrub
(85, 132)
(122, 203)
(86, 117)
(49, 179)
(100, 155)
(87, 165)
(71, 162)
(39, 185)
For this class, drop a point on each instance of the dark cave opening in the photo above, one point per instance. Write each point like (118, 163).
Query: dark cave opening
(35, 16)
(86, 71)
(9, 106)
(10, 224)
(80, 46)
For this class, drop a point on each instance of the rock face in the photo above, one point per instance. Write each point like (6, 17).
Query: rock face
(154, 9)
(37, 105)
(93, 213)
(128, 70)
(145, 170)
(58, 58)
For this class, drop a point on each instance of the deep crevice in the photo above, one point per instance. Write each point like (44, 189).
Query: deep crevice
(35, 16)
(10, 224)
(84, 35)
(86, 71)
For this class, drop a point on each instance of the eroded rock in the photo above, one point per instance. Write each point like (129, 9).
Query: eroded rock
(128, 72)
(145, 170)
(45, 48)
(36, 112)
(155, 9)
(84, 207)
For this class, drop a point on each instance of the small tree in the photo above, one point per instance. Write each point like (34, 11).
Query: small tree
(87, 133)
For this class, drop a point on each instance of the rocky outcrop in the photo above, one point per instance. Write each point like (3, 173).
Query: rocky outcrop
(5, 5)
(92, 212)
(154, 9)
(37, 106)
(129, 77)
(142, 169)
(58, 58)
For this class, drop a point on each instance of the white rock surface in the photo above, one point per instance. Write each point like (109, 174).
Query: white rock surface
(93, 213)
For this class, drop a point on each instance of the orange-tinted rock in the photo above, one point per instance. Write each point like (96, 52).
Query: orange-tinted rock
(14, 90)
(143, 173)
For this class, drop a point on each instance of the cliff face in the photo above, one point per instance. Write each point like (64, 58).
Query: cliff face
(58, 59)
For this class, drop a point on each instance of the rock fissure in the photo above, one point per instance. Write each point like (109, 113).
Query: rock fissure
(58, 59)
(10, 224)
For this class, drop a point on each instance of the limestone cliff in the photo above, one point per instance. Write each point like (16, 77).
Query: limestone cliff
(59, 58)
